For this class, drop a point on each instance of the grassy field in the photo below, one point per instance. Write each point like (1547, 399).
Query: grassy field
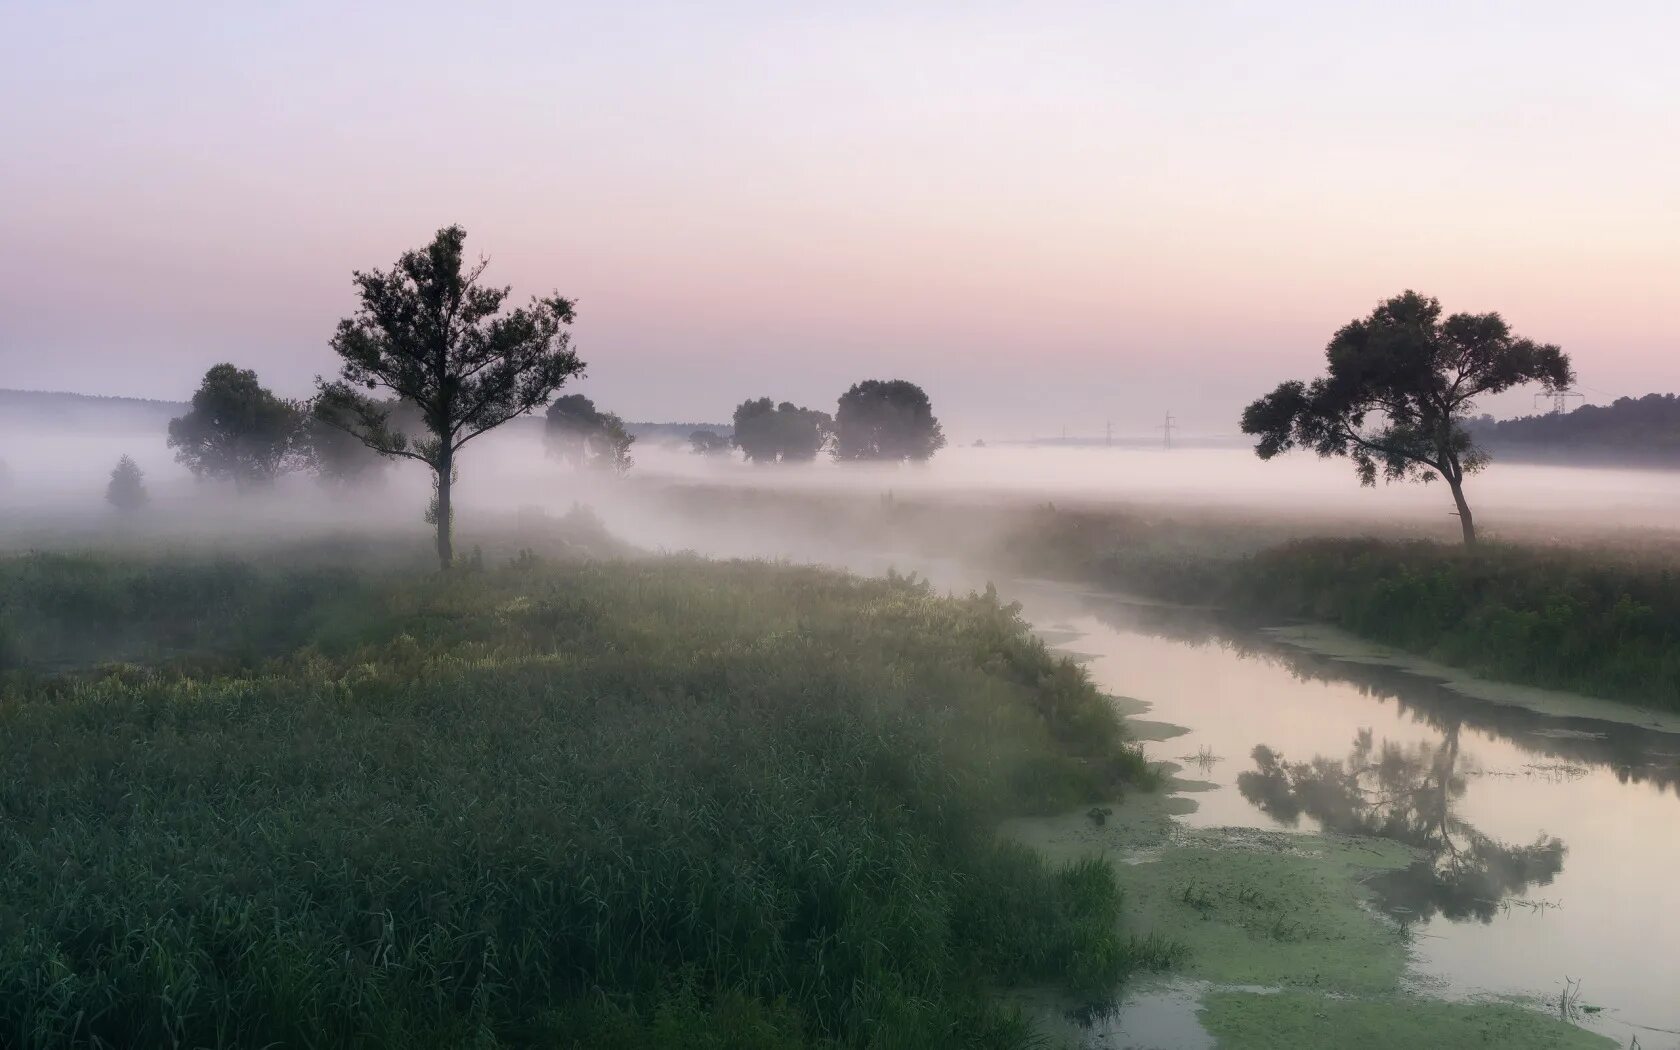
(1599, 615)
(290, 802)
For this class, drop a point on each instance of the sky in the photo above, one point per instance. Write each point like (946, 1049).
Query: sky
(1048, 214)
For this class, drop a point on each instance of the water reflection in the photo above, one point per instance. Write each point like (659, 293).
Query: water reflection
(1635, 754)
(1407, 793)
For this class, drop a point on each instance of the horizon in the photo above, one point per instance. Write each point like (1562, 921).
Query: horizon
(1081, 219)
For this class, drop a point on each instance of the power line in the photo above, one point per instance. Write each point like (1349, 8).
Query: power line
(1166, 430)
(1559, 400)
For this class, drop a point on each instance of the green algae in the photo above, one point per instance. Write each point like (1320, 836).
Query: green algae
(1279, 947)
(1264, 908)
(1294, 1020)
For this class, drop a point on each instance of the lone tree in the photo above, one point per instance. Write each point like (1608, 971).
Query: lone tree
(888, 420)
(579, 433)
(127, 488)
(770, 433)
(1402, 383)
(429, 333)
(239, 431)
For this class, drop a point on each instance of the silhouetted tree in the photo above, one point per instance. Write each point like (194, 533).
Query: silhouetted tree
(1400, 387)
(570, 422)
(580, 433)
(239, 431)
(708, 443)
(609, 448)
(886, 420)
(785, 433)
(126, 490)
(428, 332)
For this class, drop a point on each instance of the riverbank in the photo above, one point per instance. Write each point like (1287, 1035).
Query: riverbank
(305, 801)
(1596, 614)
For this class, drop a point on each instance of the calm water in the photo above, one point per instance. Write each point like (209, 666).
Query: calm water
(1551, 843)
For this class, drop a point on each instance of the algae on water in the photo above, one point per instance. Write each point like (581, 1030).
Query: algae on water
(1305, 1021)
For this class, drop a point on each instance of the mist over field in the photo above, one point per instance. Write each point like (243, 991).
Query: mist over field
(55, 476)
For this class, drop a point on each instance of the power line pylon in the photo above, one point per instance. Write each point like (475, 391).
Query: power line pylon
(1559, 400)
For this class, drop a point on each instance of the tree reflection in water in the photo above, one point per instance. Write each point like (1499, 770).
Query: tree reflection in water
(1405, 793)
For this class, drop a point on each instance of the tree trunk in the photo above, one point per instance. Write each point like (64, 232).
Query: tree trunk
(445, 514)
(1465, 521)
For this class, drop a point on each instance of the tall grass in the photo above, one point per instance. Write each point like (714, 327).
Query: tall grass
(660, 803)
(1571, 619)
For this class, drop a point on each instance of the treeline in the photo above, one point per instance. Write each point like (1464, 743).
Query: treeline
(1641, 429)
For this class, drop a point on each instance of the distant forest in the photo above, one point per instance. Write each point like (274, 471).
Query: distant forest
(1635, 430)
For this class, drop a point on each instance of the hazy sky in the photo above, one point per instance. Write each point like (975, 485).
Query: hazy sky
(1045, 213)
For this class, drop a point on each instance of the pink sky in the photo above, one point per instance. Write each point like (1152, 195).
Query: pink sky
(1046, 213)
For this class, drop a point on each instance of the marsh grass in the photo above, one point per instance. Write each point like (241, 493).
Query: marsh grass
(1595, 622)
(657, 803)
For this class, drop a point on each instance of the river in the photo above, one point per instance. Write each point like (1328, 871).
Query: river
(1546, 843)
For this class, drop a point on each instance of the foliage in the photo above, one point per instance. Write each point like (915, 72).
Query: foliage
(342, 459)
(1400, 385)
(770, 433)
(656, 803)
(126, 490)
(570, 421)
(708, 443)
(578, 432)
(1582, 621)
(430, 333)
(237, 430)
(886, 420)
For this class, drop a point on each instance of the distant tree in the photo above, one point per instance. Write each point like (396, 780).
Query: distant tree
(340, 458)
(609, 448)
(886, 420)
(570, 422)
(708, 443)
(770, 433)
(127, 488)
(581, 434)
(1400, 387)
(429, 333)
(239, 431)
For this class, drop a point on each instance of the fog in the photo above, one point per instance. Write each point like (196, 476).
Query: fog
(52, 489)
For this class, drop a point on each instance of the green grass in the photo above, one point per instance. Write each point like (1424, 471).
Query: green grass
(1591, 622)
(666, 803)
(1600, 616)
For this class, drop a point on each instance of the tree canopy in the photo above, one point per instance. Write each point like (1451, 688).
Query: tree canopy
(430, 333)
(886, 420)
(579, 433)
(1399, 389)
(237, 430)
(126, 490)
(766, 432)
